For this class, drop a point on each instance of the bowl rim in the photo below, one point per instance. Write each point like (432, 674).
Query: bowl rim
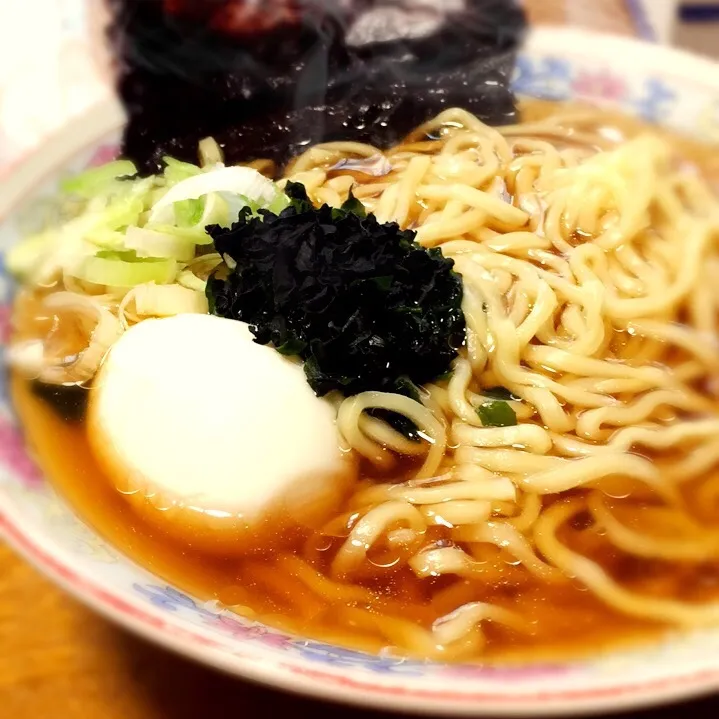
(150, 623)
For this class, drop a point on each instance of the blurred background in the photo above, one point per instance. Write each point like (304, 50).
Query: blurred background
(54, 68)
(54, 65)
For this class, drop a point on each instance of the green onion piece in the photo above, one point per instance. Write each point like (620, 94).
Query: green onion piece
(230, 181)
(63, 248)
(106, 239)
(94, 181)
(210, 152)
(153, 300)
(119, 213)
(215, 211)
(497, 413)
(21, 259)
(151, 243)
(188, 213)
(292, 347)
(281, 202)
(196, 235)
(177, 171)
(405, 386)
(191, 281)
(125, 269)
(355, 206)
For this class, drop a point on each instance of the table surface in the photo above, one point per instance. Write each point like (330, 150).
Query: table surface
(59, 660)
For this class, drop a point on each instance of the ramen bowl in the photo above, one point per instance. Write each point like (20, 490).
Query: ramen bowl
(653, 83)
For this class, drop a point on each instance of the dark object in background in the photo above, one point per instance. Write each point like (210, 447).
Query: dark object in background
(267, 78)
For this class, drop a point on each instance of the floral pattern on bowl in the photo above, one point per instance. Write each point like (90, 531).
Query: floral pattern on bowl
(656, 84)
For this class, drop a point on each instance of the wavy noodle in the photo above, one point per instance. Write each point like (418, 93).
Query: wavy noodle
(589, 256)
(600, 583)
(699, 548)
(582, 253)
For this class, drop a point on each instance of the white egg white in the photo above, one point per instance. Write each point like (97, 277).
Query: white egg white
(214, 438)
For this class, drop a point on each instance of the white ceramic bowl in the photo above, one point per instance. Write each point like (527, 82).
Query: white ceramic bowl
(658, 84)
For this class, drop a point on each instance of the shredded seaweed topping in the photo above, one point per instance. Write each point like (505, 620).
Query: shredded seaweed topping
(359, 301)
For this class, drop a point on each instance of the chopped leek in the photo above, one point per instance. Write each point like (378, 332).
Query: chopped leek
(196, 235)
(22, 259)
(195, 275)
(107, 239)
(216, 212)
(98, 179)
(189, 212)
(281, 202)
(162, 217)
(150, 243)
(176, 171)
(43, 256)
(122, 212)
(210, 152)
(227, 180)
(125, 269)
(152, 300)
(191, 281)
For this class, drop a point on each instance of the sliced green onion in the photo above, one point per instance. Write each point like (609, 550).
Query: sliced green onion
(497, 413)
(405, 386)
(124, 269)
(161, 217)
(195, 275)
(177, 171)
(119, 213)
(64, 248)
(292, 347)
(189, 212)
(153, 300)
(196, 235)
(107, 239)
(96, 180)
(281, 202)
(191, 281)
(23, 258)
(210, 152)
(236, 180)
(192, 216)
(150, 243)
(216, 211)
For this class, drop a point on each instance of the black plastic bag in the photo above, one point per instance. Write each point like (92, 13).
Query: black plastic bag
(267, 78)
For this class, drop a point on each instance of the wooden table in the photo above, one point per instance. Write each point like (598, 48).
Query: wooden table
(59, 660)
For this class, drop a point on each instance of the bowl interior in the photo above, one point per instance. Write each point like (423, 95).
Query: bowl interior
(656, 84)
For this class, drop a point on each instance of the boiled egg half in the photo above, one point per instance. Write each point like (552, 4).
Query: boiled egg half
(214, 438)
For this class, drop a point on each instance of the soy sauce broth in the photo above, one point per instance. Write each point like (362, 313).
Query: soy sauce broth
(566, 619)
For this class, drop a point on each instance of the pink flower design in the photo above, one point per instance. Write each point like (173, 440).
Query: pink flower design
(602, 85)
(231, 627)
(13, 454)
(469, 671)
(5, 323)
(103, 155)
(277, 641)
